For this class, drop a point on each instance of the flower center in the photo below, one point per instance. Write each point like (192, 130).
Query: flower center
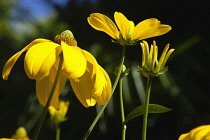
(67, 37)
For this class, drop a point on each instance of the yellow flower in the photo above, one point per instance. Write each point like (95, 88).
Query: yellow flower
(198, 133)
(20, 134)
(128, 33)
(150, 65)
(90, 82)
(59, 116)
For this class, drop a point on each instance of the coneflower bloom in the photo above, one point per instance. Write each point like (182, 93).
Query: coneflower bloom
(89, 80)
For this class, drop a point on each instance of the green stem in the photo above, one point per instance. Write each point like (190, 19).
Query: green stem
(58, 130)
(41, 121)
(113, 89)
(122, 109)
(146, 107)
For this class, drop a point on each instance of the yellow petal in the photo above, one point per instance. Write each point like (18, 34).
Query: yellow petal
(44, 86)
(200, 132)
(103, 23)
(97, 77)
(184, 137)
(123, 24)
(74, 61)
(52, 110)
(10, 63)
(39, 59)
(107, 89)
(149, 28)
(144, 27)
(83, 89)
(162, 29)
(91, 84)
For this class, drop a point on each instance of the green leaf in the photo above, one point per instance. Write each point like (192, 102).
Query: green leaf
(153, 108)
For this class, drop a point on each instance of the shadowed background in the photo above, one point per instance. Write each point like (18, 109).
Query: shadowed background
(184, 88)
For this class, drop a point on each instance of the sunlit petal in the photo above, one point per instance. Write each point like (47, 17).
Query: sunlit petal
(97, 76)
(44, 86)
(162, 29)
(131, 27)
(10, 63)
(91, 84)
(39, 59)
(103, 23)
(74, 61)
(107, 89)
(144, 27)
(122, 23)
(83, 87)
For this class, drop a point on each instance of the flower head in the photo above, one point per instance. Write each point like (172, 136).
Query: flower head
(126, 33)
(90, 82)
(20, 134)
(150, 65)
(59, 116)
(198, 133)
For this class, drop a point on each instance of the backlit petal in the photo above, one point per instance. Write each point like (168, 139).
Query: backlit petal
(44, 86)
(107, 89)
(123, 24)
(162, 29)
(149, 28)
(143, 28)
(74, 61)
(39, 59)
(103, 23)
(91, 84)
(97, 76)
(10, 63)
(83, 87)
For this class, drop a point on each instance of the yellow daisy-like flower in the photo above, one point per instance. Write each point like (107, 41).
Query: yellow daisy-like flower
(126, 33)
(150, 65)
(20, 134)
(198, 133)
(89, 80)
(59, 116)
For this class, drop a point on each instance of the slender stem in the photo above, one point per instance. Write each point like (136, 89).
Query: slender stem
(113, 89)
(58, 130)
(146, 107)
(41, 121)
(122, 109)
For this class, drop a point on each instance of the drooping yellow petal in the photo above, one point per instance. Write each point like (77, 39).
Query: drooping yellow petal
(74, 64)
(39, 59)
(143, 28)
(103, 23)
(198, 133)
(107, 89)
(97, 76)
(10, 63)
(123, 24)
(83, 87)
(44, 86)
(91, 84)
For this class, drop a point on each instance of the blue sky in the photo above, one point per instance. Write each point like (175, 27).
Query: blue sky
(36, 8)
(42, 9)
